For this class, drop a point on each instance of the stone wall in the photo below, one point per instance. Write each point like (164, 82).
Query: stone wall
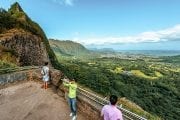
(17, 76)
(31, 74)
(90, 109)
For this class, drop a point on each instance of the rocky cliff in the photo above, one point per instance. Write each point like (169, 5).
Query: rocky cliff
(22, 41)
(27, 48)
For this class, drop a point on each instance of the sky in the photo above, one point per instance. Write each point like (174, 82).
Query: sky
(117, 24)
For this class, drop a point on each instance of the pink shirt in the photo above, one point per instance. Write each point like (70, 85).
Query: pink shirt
(110, 112)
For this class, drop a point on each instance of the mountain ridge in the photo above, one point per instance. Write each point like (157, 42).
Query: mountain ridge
(68, 48)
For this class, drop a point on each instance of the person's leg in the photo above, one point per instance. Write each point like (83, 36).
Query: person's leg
(70, 105)
(46, 85)
(74, 106)
(43, 83)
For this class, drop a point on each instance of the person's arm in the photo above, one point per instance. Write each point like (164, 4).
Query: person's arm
(120, 116)
(102, 117)
(102, 114)
(42, 71)
(73, 86)
(65, 83)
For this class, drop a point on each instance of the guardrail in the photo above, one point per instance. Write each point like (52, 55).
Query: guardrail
(15, 69)
(127, 115)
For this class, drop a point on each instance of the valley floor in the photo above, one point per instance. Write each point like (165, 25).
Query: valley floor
(28, 101)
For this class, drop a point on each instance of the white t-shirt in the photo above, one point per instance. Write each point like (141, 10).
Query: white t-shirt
(45, 73)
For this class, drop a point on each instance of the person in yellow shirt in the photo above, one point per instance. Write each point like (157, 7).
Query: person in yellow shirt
(72, 97)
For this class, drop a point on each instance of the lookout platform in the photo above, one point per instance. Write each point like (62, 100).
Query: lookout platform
(28, 101)
(22, 98)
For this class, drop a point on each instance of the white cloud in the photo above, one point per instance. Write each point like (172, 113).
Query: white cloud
(76, 34)
(69, 2)
(151, 36)
(64, 2)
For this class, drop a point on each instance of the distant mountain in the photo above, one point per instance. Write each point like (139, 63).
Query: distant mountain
(156, 46)
(106, 50)
(22, 41)
(68, 48)
(152, 52)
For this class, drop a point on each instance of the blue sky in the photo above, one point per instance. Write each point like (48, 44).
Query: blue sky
(119, 24)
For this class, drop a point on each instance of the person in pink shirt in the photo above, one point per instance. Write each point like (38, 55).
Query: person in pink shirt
(111, 112)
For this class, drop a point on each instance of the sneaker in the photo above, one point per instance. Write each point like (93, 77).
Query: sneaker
(74, 117)
(70, 114)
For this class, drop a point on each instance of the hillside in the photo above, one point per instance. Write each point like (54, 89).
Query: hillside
(171, 59)
(150, 84)
(68, 48)
(22, 41)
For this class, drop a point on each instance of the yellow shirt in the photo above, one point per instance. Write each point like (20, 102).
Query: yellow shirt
(72, 89)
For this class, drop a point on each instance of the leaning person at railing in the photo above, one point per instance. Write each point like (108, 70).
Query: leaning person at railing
(111, 112)
(72, 97)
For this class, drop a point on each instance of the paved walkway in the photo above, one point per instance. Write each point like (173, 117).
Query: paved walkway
(27, 101)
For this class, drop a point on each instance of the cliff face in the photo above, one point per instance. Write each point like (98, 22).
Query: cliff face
(27, 48)
(22, 41)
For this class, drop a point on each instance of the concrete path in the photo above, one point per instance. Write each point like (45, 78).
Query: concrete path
(28, 101)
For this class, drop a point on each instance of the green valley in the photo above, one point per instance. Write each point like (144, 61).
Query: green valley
(143, 83)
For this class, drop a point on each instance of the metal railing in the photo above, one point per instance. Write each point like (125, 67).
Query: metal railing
(127, 115)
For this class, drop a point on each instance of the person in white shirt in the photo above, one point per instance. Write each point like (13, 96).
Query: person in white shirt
(45, 73)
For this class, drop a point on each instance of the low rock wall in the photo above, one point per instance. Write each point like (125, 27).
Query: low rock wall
(12, 77)
(91, 110)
